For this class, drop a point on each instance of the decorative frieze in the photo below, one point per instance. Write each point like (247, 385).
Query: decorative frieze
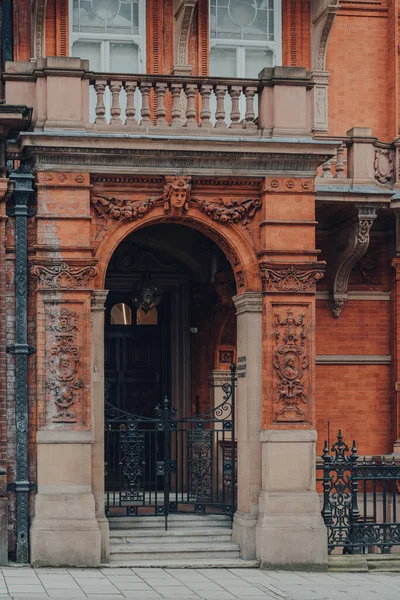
(286, 185)
(290, 362)
(291, 278)
(64, 276)
(64, 383)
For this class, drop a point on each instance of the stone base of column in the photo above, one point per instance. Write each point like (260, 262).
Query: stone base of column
(244, 533)
(105, 538)
(65, 531)
(290, 532)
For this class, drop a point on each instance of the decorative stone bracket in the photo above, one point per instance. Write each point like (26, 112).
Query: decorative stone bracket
(352, 244)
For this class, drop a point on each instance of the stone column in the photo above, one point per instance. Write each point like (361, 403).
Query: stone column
(98, 300)
(248, 411)
(65, 529)
(290, 530)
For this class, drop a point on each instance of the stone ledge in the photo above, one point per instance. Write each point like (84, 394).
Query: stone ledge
(288, 435)
(362, 563)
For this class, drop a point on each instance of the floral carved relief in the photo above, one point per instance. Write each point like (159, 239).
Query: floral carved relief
(228, 211)
(64, 276)
(64, 382)
(291, 278)
(290, 362)
(121, 208)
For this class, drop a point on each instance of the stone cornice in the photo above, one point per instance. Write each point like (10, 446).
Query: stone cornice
(250, 157)
(248, 302)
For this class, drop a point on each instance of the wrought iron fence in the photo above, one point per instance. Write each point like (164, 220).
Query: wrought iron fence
(361, 499)
(165, 464)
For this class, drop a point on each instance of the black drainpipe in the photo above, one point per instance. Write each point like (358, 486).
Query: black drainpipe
(23, 188)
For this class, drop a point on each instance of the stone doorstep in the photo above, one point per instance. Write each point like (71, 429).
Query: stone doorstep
(362, 563)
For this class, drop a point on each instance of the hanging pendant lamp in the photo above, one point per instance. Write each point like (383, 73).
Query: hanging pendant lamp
(149, 295)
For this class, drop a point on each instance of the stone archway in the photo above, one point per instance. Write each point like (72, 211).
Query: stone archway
(235, 243)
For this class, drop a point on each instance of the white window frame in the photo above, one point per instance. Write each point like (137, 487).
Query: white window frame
(139, 40)
(240, 45)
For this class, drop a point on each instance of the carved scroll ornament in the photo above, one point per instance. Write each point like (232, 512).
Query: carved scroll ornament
(64, 276)
(290, 364)
(352, 244)
(63, 362)
(291, 278)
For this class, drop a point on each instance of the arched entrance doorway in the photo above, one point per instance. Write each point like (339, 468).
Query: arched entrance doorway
(170, 332)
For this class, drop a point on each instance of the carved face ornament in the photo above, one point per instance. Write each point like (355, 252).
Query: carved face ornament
(176, 195)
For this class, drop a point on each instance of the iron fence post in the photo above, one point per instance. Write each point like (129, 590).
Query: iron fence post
(354, 510)
(166, 414)
(233, 394)
(23, 189)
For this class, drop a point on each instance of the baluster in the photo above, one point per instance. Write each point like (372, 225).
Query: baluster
(145, 112)
(220, 91)
(190, 90)
(205, 113)
(161, 121)
(130, 111)
(326, 168)
(176, 111)
(249, 92)
(115, 88)
(100, 87)
(340, 161)
(234, 92)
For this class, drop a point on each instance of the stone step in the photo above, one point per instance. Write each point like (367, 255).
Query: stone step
(140, 536)
(177, 551)
(175, 520)
(177, 563)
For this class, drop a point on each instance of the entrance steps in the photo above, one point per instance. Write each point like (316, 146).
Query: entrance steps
(190, 541)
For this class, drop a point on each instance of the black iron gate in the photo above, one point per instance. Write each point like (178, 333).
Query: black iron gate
(155, 466)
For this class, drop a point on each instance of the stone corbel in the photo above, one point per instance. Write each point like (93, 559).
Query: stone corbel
(183, 21)
(323, 16)
(352, 244)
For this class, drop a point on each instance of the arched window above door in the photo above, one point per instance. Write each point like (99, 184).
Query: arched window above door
(245, 37)
(109, 33)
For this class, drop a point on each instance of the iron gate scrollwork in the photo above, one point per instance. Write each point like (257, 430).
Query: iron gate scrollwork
(158, 465)
(361, 499)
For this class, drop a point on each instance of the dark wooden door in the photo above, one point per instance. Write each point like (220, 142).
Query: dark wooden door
(134, 369)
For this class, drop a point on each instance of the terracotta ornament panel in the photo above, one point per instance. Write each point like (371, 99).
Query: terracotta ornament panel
(65, 364)
(64, 276)
(291, 278)
(290, 364)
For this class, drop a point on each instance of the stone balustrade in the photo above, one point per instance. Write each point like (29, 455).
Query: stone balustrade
(360, 157)
(66, 95)
(145, 101)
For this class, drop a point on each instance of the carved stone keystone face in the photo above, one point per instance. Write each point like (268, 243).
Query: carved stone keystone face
(176, 195)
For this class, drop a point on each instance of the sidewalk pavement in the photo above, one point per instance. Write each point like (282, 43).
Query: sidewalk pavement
(188, 584)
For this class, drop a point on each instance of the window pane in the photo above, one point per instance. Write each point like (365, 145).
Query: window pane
(89, 51)
(256, 60)
(106, 16)
(151, 318)
(124, 58)
(121, 314)
(222, 62)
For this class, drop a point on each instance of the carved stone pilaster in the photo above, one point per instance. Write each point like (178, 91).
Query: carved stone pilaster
(352, 244)
(183, 22)
(321, 80)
